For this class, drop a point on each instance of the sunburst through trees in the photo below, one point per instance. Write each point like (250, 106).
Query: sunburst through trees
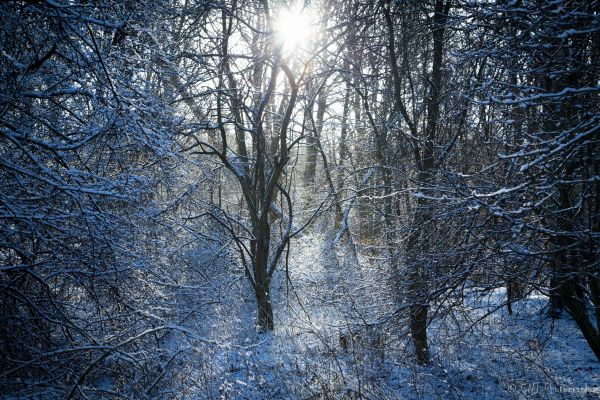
(299, 199)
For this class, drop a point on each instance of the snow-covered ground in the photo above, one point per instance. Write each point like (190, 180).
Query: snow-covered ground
(478, 350)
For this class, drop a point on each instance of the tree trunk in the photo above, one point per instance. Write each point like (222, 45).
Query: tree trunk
(311, 159)
(418, 330)
(417, 249)
(260, 252)
(426, 175)
(265, 308)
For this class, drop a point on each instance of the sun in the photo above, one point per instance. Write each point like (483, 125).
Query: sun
(294, 27)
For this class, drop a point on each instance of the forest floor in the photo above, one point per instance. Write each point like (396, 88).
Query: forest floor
(478, 351)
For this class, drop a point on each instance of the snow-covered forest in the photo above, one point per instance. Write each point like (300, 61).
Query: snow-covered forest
(313, 199)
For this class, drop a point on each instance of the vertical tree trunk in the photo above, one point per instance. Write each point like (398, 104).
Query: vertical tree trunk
(310, 167)
(425, 166)
(265, 308)
(260, 254)
(419, 284)
(418, 330)
(363, 201)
